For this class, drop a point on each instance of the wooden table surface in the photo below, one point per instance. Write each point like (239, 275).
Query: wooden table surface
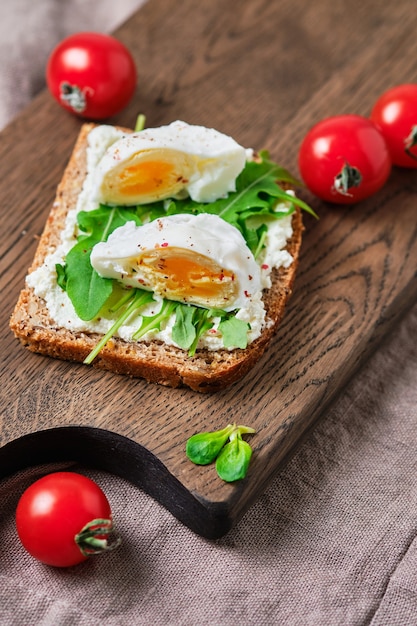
(263, 72)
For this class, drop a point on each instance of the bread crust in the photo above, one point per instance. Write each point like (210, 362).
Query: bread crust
(207, 371)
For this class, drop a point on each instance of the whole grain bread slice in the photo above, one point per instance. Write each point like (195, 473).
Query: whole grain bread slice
(207, 371)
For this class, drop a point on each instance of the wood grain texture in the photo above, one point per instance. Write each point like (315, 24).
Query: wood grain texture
(263, 72)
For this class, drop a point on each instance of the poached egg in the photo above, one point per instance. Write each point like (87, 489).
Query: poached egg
(177, 160)
(195, 259)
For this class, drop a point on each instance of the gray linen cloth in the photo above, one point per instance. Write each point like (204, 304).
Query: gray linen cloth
(332, 540)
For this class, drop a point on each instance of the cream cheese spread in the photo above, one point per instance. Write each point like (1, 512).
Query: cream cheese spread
(44, 283)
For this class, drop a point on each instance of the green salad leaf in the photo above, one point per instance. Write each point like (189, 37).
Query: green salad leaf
(184, 331)
(203, 448)
(87, 290)
(257, 195)
(153, 322)
(136, 299)
(233, 461)
(235, 332)
(193, 322)
(225, 447)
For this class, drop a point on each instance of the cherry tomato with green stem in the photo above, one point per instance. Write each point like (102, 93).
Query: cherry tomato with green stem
(63, 518)
(344, 159)
(92, 75)
(395, 114)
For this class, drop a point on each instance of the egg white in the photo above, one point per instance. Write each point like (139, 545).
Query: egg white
(170, 161)
(196, 259)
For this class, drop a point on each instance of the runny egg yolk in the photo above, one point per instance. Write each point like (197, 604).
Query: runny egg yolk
(181, 274)
(147, 176)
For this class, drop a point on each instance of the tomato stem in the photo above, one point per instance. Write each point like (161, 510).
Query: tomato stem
(348, 177)
(73, 96)
(411, 142)
(97, 536)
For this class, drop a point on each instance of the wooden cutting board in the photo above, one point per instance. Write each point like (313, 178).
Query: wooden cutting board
(263, 72)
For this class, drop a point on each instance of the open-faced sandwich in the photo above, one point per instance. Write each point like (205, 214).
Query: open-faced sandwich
(169, 254)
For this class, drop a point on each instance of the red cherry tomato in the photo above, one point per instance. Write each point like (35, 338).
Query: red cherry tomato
(344, 159)
(54, 510)
(395, 114)
(91, 74)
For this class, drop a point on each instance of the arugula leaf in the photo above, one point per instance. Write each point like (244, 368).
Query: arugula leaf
(87, 290)
(140, 122)
(203, 323)
(191, 322)
(184, 331)
(255, 238)
(153, 322)
(89, 293)
(257, 194)
(61, 276)
(101, 222)
(138, 299)
(150, 212)
(235, 332)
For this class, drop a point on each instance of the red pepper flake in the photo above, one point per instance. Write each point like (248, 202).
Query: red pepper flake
(221, 277)
(247, 294)
(265, 266)
(164, 245)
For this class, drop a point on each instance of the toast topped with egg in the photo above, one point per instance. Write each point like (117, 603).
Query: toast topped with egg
(169, 254)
